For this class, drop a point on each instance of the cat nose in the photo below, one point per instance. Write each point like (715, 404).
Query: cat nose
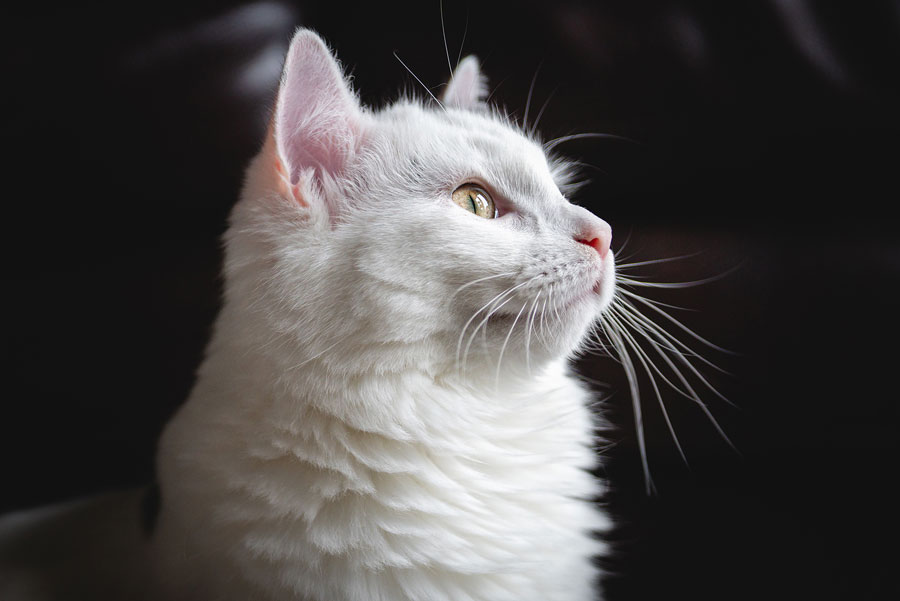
(597, 235)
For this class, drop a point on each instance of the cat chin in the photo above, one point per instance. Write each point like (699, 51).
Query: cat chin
(605, 288)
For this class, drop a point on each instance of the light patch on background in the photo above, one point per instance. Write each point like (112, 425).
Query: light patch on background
(807, 34)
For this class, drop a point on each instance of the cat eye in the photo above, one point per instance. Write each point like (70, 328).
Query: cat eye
(475, 200)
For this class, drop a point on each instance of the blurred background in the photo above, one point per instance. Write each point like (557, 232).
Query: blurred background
(765, 145)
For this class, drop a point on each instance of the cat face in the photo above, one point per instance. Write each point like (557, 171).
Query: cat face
(423, 234)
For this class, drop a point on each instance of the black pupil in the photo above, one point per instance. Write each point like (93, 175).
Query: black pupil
(472, 202)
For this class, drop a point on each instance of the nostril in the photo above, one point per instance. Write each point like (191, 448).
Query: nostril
(601, 245)
(595, 242)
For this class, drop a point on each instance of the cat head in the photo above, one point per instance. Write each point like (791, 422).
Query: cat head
(432, 236)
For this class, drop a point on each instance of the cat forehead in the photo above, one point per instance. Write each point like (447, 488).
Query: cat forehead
(482, 142)
(482, 129)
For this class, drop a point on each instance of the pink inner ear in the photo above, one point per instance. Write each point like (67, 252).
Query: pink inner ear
(317, 118)
(467, 88)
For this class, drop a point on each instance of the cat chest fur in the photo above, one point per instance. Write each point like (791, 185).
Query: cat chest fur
(455, 504)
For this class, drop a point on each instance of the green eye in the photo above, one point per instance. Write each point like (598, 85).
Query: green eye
(475, 200)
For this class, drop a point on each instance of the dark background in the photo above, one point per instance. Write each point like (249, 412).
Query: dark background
(766, 139)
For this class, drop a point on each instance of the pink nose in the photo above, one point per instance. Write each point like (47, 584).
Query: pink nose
(598, 237)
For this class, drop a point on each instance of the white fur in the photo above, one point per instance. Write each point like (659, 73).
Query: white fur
(339, 443)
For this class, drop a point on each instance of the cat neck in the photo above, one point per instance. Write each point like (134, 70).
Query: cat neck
(416, 387)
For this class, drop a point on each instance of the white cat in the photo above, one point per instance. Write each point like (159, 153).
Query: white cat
(385, 410)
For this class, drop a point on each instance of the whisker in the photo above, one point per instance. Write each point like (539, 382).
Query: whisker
(657, 347)
(621, 248)
(529, 321)
(645, 360)
(314, 357)
(682, 357)
(497, 87)
(630, 374)
(692, 394)
(656, 302)
(654, 334)
(528, 99)
(696, 398)
(690, 284)
(638, 339)
(419, 80)
(482, 325)
(556, 312)
(557, 141)
(603, 346)
(444, 34)
(591, 342)
(471, 319)
(503, 348)
(463, 42)
(680, 325)
(544, 310)
(508, 292)
(648, 326)
(620, 266)
(537, 120)
(595, 342)
(666, 285)
(473, 282)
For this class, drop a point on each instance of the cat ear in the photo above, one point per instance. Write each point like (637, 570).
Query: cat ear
(467, 89)
(318, 120)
